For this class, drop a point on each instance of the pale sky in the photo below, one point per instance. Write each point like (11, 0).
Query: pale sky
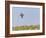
(31, 16)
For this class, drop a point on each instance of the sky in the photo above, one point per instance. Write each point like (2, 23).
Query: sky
(31, 16)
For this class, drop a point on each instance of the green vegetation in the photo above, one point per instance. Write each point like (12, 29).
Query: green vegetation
(32, 27)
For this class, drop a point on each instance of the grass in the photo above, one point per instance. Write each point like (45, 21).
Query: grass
(32, 27)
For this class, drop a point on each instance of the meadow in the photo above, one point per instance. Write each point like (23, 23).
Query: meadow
(31, 27)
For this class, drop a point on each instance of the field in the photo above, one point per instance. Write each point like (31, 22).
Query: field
(32, 27)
